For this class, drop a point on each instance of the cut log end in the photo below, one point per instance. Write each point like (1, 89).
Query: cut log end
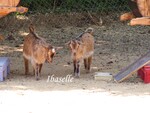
(145, 21)
(126, 16)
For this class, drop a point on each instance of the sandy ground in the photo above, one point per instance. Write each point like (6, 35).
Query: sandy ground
(116, 46)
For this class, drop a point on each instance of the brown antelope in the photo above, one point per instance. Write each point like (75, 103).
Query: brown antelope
(82, 48)
(1, 37)
(36, 50)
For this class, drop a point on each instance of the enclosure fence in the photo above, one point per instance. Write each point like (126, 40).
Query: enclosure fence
(102, 6)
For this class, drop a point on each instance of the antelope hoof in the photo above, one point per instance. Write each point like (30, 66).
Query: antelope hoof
(37, 78)
(76, 76)
(88, 71)
(26, 73)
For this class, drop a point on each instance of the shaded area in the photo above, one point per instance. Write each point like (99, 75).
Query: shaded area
(103, 6)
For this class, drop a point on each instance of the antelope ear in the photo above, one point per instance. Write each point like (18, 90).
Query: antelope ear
(31, 28)
(80, 42)
(68, 43)
(58, 48)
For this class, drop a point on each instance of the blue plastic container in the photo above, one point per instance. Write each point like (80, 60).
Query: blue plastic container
(4, 68)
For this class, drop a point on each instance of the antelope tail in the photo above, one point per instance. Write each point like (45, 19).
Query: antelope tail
(89, 30)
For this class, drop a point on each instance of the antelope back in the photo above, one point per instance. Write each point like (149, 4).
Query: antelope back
(88, 42)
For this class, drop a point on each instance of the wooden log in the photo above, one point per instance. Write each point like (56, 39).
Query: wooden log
(127, 16)
(6, 10)
(9, 2)
(140, 21)
(144, 7)
(134, 6)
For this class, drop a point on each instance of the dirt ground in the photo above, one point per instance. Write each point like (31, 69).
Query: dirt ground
(116, 46)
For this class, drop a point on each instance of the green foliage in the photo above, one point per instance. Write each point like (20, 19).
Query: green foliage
(75, 5)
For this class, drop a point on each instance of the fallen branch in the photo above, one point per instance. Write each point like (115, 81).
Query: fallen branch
(94, 21)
